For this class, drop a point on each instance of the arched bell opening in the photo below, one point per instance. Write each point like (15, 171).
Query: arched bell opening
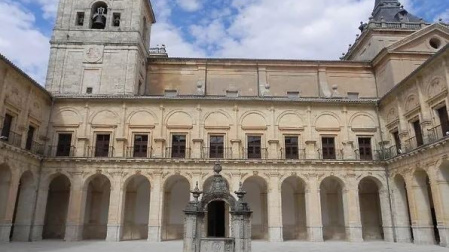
(370, 210)
(99, 15)
(294, 209)
(57, 208)
(217, 219)
(97, 208)
(23, 212)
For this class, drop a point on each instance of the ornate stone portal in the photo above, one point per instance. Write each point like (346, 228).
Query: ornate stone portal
(211, 236)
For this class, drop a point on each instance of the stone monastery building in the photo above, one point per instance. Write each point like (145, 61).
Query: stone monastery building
(353, 149)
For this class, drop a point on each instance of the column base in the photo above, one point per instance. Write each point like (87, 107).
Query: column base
(403, 235)
(154, 234)
(354, 234)
(5, 231)
(444, 236)
(275, 234)
(423, 235)
(315, 234)
(73, 232)
(388, 234)
(36, 232)
(21, 232)
(113, 233)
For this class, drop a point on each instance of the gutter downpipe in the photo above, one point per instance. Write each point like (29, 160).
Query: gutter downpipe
(33, 218)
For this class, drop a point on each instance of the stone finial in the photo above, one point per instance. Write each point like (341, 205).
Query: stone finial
(217, 168)
(240, 193)
(196, 192)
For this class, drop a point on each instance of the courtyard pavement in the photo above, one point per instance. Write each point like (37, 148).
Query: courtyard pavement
(176, 246)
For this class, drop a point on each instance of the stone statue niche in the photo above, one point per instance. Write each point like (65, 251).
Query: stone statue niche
(211, 235)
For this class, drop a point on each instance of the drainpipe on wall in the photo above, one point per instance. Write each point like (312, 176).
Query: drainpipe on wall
(387, 174)
(41, 164)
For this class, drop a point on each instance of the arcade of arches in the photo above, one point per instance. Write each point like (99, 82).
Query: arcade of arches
(315, 207)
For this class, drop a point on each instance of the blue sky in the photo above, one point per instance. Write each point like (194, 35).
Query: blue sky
(288, 29)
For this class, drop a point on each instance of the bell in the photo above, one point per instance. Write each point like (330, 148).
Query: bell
(99, 19)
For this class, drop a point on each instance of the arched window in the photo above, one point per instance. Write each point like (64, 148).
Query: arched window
(99, 12)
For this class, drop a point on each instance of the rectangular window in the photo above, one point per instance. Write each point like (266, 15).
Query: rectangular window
(89, 90)
(397, 141)
(7, 124)
(116, 19)
(418, 133)
(102, 145)
(291, 147)
(79, 18)
(254, 147)
(365, 150)
(30, 137)
(64, 145)
(328, 144)
(140, 146)
(216, 147)
(444, 120)
(178, 146)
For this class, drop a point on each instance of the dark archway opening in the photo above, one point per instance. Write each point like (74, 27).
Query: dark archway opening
(216, 219)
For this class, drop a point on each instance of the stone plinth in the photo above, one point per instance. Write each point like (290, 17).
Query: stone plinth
(217, 244)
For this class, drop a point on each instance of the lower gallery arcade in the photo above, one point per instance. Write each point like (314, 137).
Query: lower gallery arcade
(107, 204)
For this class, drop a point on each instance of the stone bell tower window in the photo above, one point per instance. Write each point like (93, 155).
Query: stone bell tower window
(116, 19)
(80, 18)
(99, 12)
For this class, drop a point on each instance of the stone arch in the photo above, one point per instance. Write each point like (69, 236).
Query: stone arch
(290, 120)
(57, 207)
(96, 195)
(179, 118)
(23, 212)
(67, 116)
(327, 120)
(136, 205)
(294, 208)
(332, 209)
(257, 188)
(253, 120)
(370, 208)
(95, 5)
(424, 206)
(5, 184)
(208, 182)
(217, 119)
(435, 87)
(362, 121)
(104, 117)
(411, 102)
(142, 118)
(176, 196)
(401, 210)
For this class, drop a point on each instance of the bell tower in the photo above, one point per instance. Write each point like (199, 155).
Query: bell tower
(100, 47)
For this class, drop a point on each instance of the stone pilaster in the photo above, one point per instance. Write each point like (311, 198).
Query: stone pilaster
(421, 218)
(400, 216)
(387, 223)
(24, 213)
(274, 209)
(155, 210)
(352, 211)
(39, 215)
(115, 215)
(74, 224)
(6, 223)
(313, 210)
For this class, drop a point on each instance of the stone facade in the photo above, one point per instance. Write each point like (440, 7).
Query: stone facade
(349, 150)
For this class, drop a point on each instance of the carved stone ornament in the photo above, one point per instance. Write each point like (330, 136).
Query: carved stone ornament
(94, 54)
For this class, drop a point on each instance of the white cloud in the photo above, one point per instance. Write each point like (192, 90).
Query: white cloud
(189, 5)
(21, 42)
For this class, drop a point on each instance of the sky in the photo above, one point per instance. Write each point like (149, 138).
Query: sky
(273, 29)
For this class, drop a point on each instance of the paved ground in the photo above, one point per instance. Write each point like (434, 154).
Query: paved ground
(176, 246)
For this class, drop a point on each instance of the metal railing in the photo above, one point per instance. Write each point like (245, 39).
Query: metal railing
(12, 138)
(177, 154)
(131, 153)
(262, 154)
(62, 151)
(99, 151)
(301, 154)
(214, 154)
(338, 155)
